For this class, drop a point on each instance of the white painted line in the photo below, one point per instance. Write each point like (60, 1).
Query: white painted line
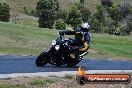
(3, 54)
(109, 59)
(124, 60)
(61, 74)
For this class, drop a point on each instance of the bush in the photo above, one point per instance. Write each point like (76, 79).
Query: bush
(60, 24)
(47, 11)
(4, 12)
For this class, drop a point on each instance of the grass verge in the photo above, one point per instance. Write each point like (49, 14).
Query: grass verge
(42, 81)
(20, 39)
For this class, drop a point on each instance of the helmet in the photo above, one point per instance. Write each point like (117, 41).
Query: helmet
(85, 26)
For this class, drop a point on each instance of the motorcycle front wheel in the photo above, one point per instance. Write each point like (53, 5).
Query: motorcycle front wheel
(42, 59)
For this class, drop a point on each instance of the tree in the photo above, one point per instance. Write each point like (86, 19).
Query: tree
(99, 13)
(95, 25)
(84, 11)
(4, 12)
(114, 13)
(124, 9)
(62, 14)
(98, 19)
(74, 16)
(46, 11)
(127, 24)
(85, 14)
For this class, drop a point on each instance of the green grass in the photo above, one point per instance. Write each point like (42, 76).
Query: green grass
(114, 46)
(42, 81)
(10, 86)
(20, 39)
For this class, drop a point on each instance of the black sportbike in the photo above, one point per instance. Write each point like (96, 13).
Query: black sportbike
(60, 53)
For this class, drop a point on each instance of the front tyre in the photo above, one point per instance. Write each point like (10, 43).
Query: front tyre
(42, 59)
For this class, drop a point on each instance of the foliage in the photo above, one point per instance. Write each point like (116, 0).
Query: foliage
(98, 19)
(84, 11)
(82, 1)
(46, 11)
(74, 16)
(119, 14)
(60, 24)
(85, 14)
(114, 13)
(4, 12)
(110, 17)
(111, 27)
(124, 9)
(106, 3)
(62, 14)
(99, 13)
(95, 25)
(126, 25)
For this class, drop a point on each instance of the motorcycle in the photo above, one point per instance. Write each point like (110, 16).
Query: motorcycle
(60, 54)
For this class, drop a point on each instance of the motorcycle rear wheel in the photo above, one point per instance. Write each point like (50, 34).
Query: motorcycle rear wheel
(71, 62)
(42, 59)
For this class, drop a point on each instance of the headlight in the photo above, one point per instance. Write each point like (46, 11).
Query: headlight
(65, 44)
(57, 47)
(53, 42)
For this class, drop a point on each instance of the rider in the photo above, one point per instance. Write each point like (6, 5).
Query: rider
(82, 37)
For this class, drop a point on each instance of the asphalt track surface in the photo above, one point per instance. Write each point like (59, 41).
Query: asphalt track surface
(26, 64)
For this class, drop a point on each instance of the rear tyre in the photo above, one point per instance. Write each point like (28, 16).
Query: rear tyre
(58, 62)
(42, 59)
(71, 62)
